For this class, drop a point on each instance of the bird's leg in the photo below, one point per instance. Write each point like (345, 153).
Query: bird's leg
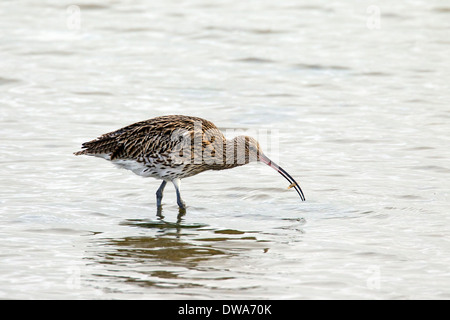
(159, 193)
(177, 183)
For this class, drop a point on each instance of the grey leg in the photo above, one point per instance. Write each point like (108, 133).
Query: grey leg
(159, 193)
(177, 184)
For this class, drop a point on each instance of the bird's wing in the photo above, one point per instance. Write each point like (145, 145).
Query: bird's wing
(148, 138)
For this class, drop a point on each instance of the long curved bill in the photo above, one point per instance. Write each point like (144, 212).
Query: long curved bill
(281, 171)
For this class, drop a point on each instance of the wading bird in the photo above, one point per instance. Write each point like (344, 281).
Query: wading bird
(174, 147)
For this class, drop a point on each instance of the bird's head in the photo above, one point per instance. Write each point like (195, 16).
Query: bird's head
(247, 149)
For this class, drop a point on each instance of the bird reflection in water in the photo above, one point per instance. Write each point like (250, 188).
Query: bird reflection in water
(170, 254)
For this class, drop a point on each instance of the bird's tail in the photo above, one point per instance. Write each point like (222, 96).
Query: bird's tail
(106, 147)
(79, 153)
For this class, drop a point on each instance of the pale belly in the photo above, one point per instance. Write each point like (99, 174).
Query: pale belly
(155, 168)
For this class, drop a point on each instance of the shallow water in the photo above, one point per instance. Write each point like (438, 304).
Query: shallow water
(355, 109)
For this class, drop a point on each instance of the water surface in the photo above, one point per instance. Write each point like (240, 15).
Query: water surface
(357, 112)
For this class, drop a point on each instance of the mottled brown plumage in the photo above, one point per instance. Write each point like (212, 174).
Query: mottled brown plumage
(175, 147)
(149, 137)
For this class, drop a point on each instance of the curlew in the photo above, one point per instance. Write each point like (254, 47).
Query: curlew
(174, 147)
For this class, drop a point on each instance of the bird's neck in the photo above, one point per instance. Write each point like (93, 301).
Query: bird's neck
(229, 158)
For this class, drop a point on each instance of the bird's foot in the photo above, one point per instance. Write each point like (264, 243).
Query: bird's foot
(181, 212)
(181, 204)
(159, 212)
